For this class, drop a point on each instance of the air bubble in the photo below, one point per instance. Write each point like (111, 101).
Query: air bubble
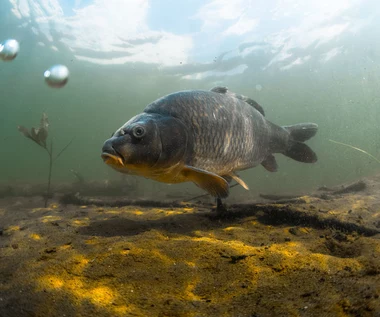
(9, 50)
(57, 76)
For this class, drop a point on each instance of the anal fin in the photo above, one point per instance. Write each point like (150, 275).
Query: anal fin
(214, 184)
(270, 163)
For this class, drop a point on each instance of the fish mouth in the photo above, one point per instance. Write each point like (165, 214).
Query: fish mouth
(113, 159)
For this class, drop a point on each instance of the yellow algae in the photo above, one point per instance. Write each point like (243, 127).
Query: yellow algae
(13, 228)
(138, 213)
(330, 263)
(172, 212)
(294, 245)
(233, 228)
(359, 203)
(53, 206)
(65, 247)
(125, 252)
(46, 219)
(92, 241)
(113, 212)
(35, 236)
(153, 253)
(334, 212)
(130, 310)
(304, 230)
(204, 239)
(285, 252)
(191, 264)
(75, 284)
(307, 199)
(78, 262)
(189, 290)
(101, 295)
(34, 210)
(81, 222)
(201, 234)
(122, 310)
(295, 254)
(83, 207)
(50, 281)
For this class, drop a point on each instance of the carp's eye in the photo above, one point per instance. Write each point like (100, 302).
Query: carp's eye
(138, 132)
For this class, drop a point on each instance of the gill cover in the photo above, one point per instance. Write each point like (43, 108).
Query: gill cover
(175, 141)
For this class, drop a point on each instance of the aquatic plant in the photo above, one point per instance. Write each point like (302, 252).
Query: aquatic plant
(39, 136)
(357, 149)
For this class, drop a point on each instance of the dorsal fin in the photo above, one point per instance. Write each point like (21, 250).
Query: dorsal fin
(251, 102)
(219, 89)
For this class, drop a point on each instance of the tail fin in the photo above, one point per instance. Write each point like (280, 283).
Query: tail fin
(297, 150)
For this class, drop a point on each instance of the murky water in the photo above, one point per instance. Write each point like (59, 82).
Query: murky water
(301, 61)
(106, 244)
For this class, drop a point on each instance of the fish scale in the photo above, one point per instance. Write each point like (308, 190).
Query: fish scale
(210, 128)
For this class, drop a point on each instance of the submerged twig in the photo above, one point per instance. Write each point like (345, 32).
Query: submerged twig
(353, 188)
(278, 197)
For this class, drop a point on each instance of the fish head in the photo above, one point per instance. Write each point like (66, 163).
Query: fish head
(146, 144)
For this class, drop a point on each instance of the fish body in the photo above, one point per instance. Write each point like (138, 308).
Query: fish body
(204, 137)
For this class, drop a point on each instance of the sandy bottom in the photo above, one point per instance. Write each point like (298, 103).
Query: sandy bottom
(69, 260)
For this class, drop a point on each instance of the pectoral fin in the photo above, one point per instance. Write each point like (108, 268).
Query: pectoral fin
(214, 184)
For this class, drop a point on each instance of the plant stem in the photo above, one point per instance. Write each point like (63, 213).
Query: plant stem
(357, 149)
(51, 161)
(63, 150)
(50, 171)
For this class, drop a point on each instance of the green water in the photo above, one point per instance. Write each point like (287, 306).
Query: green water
(341, 96)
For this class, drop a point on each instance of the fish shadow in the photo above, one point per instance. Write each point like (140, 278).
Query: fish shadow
(188, 223)
(175, 224)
